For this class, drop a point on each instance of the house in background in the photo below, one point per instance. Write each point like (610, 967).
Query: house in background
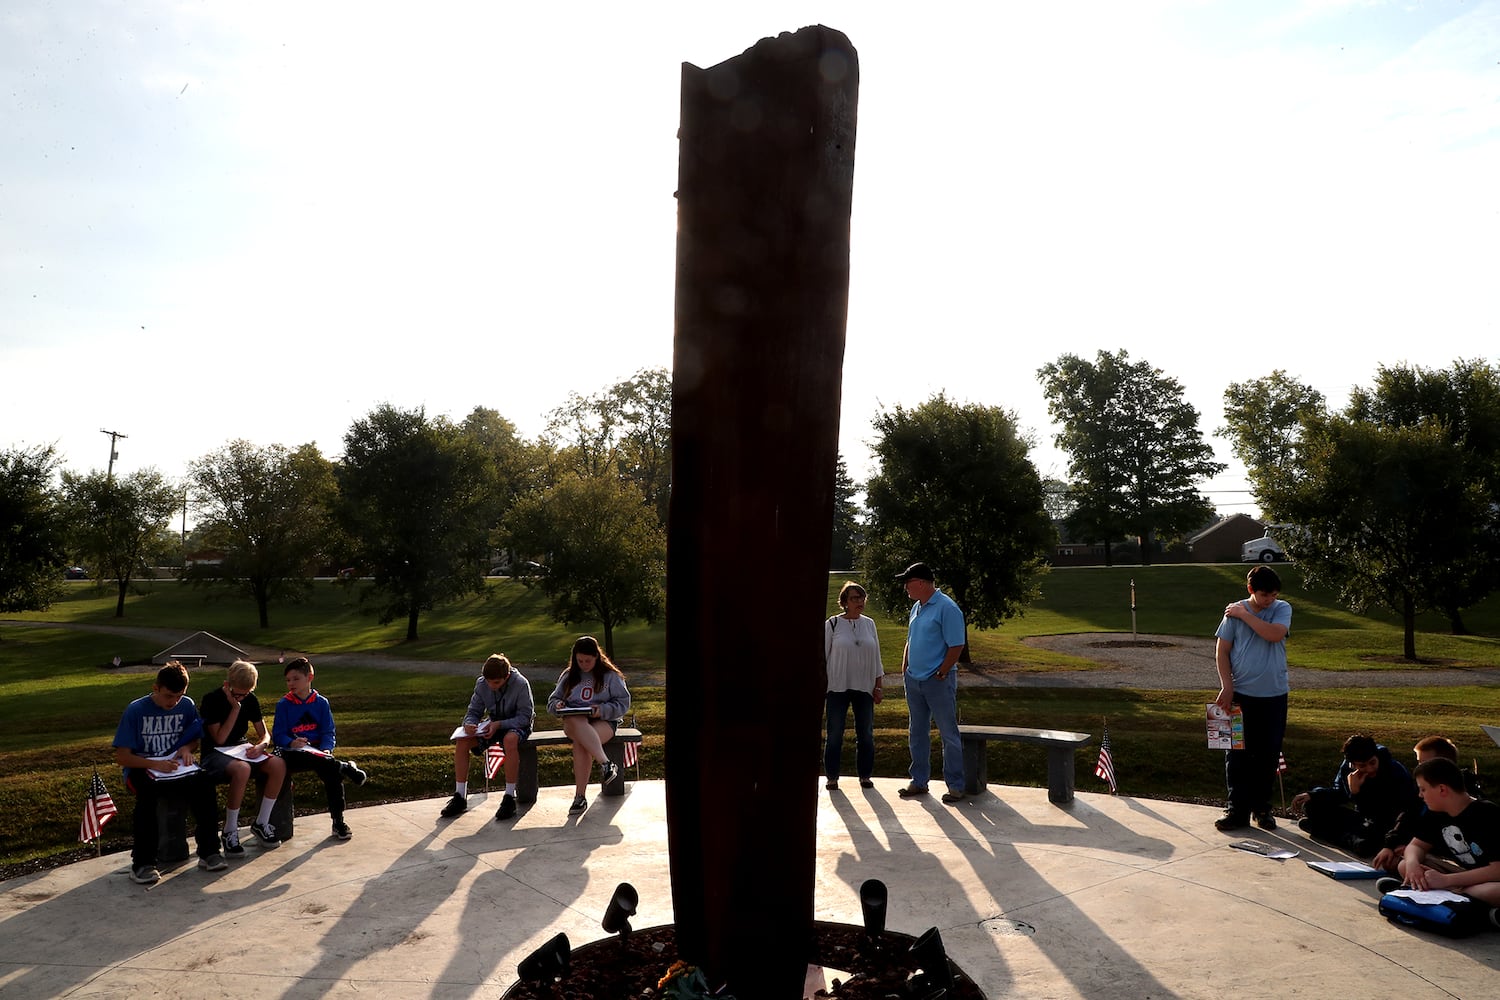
(1221, 541)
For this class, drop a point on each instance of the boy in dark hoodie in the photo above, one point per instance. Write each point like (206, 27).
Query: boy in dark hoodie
(1369, 792)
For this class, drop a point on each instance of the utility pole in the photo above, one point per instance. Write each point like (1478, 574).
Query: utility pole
(113, 437)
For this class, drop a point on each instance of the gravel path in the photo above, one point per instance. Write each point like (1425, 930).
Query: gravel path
(1150, 662)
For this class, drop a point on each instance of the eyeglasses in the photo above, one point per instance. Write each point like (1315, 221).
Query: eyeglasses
(239, 694)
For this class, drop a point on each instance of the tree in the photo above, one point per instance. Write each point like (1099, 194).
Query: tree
(1385, 515)
(845, 519)
(1465, 402)
(414, 495)
(623, 431)
(269, 511)
(956, 489)
(1263, 422)
(606, 552)
(31, 529)
(120, 524)
(1135, 451)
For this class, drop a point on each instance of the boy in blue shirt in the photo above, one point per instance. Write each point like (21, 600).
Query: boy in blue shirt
(303, 731)
(160, 733)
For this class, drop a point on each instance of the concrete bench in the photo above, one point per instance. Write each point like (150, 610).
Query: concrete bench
(1060, 746)
(526, 784)
(172, 818)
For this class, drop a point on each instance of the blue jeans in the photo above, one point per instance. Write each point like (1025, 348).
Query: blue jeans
(1250, 773)
(839, 703)
(928, 702)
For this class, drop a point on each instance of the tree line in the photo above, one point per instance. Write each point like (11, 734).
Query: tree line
(1394, 497)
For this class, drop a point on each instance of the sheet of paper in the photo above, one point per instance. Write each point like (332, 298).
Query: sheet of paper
(1430, 895)
(314, 751)
(182, 771)
(241, 751)
(459, 732)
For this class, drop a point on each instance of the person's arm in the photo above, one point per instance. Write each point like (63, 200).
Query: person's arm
(476, 706)
(949, 659)
(219, 731)
(1226, 674)
(905, 656)
(878, 691)
(1411, 861)
(559, 696)
(617, 700)
(262, 740)
(1269, 631)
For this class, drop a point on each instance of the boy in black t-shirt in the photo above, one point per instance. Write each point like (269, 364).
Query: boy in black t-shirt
(228, 713)
(1461, 827)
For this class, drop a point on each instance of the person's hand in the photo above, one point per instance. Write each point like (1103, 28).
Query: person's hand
(484, 729)
(1236, 609)
(878, 693)
(185, 755)
(256, 752)
(298, 743)
(166, 766)
(1225, 700)
(1386, 859)
(1299, 800)
(1422, 877)
(470, 729)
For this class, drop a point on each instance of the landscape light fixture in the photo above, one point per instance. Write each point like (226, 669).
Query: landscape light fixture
(929, 955)
(549, 963)
(873, 896)
(621, 908)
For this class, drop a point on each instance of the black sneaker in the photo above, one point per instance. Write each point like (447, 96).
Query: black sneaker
(341, 830)
(1305, 825)
(611, 771)
(507, 808)
(145, 875)
(912, 791)
(456, 806)
(213, 863)
(579, 805)
(1265, 820)
(1231, 820)
(1388, 884)
(266, 834)
(232, 843)
(351, 772)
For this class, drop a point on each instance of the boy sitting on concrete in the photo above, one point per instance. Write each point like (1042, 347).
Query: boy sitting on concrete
(1463, 828)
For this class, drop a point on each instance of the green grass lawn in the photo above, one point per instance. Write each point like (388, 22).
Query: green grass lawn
(59, 702)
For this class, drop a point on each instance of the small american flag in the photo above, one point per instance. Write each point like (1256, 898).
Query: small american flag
(1106, 766)
(98, 809)
(632, 755)
(494, 758)
(1280, 762)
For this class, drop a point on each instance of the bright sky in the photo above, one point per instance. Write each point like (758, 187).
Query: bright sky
(260, 221)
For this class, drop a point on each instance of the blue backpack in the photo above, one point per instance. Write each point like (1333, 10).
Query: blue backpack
(1450, 918)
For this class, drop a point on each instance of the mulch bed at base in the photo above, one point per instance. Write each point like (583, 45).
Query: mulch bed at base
(603, 970)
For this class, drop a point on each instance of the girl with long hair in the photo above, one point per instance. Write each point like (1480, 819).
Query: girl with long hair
(592, 699)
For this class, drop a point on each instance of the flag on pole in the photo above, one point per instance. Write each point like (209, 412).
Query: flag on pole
(632, 755)
(98, 809)
(1106, 766)
(1280, 762)
(494, 758)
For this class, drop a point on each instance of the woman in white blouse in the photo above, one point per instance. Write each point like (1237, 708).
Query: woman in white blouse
(855, 675)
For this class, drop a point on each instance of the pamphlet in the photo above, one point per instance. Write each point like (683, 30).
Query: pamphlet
(1265, 850)
(1345, 869)
(1226, 730)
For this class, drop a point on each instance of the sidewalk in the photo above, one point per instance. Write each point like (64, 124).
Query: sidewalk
(1107, 897)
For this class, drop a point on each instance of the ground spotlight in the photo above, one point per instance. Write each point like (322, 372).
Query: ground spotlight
(872, 899)
(929, 955)
(621, 908)
(549, 963)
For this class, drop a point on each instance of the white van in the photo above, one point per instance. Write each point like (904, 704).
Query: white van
(1264, 549)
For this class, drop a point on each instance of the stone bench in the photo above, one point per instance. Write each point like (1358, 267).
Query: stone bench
(526, 784)
(1060, 746)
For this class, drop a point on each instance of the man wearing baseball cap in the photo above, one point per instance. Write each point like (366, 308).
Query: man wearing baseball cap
(934, 642)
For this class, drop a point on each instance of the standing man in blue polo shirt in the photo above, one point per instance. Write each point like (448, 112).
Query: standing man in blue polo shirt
(934, 642)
